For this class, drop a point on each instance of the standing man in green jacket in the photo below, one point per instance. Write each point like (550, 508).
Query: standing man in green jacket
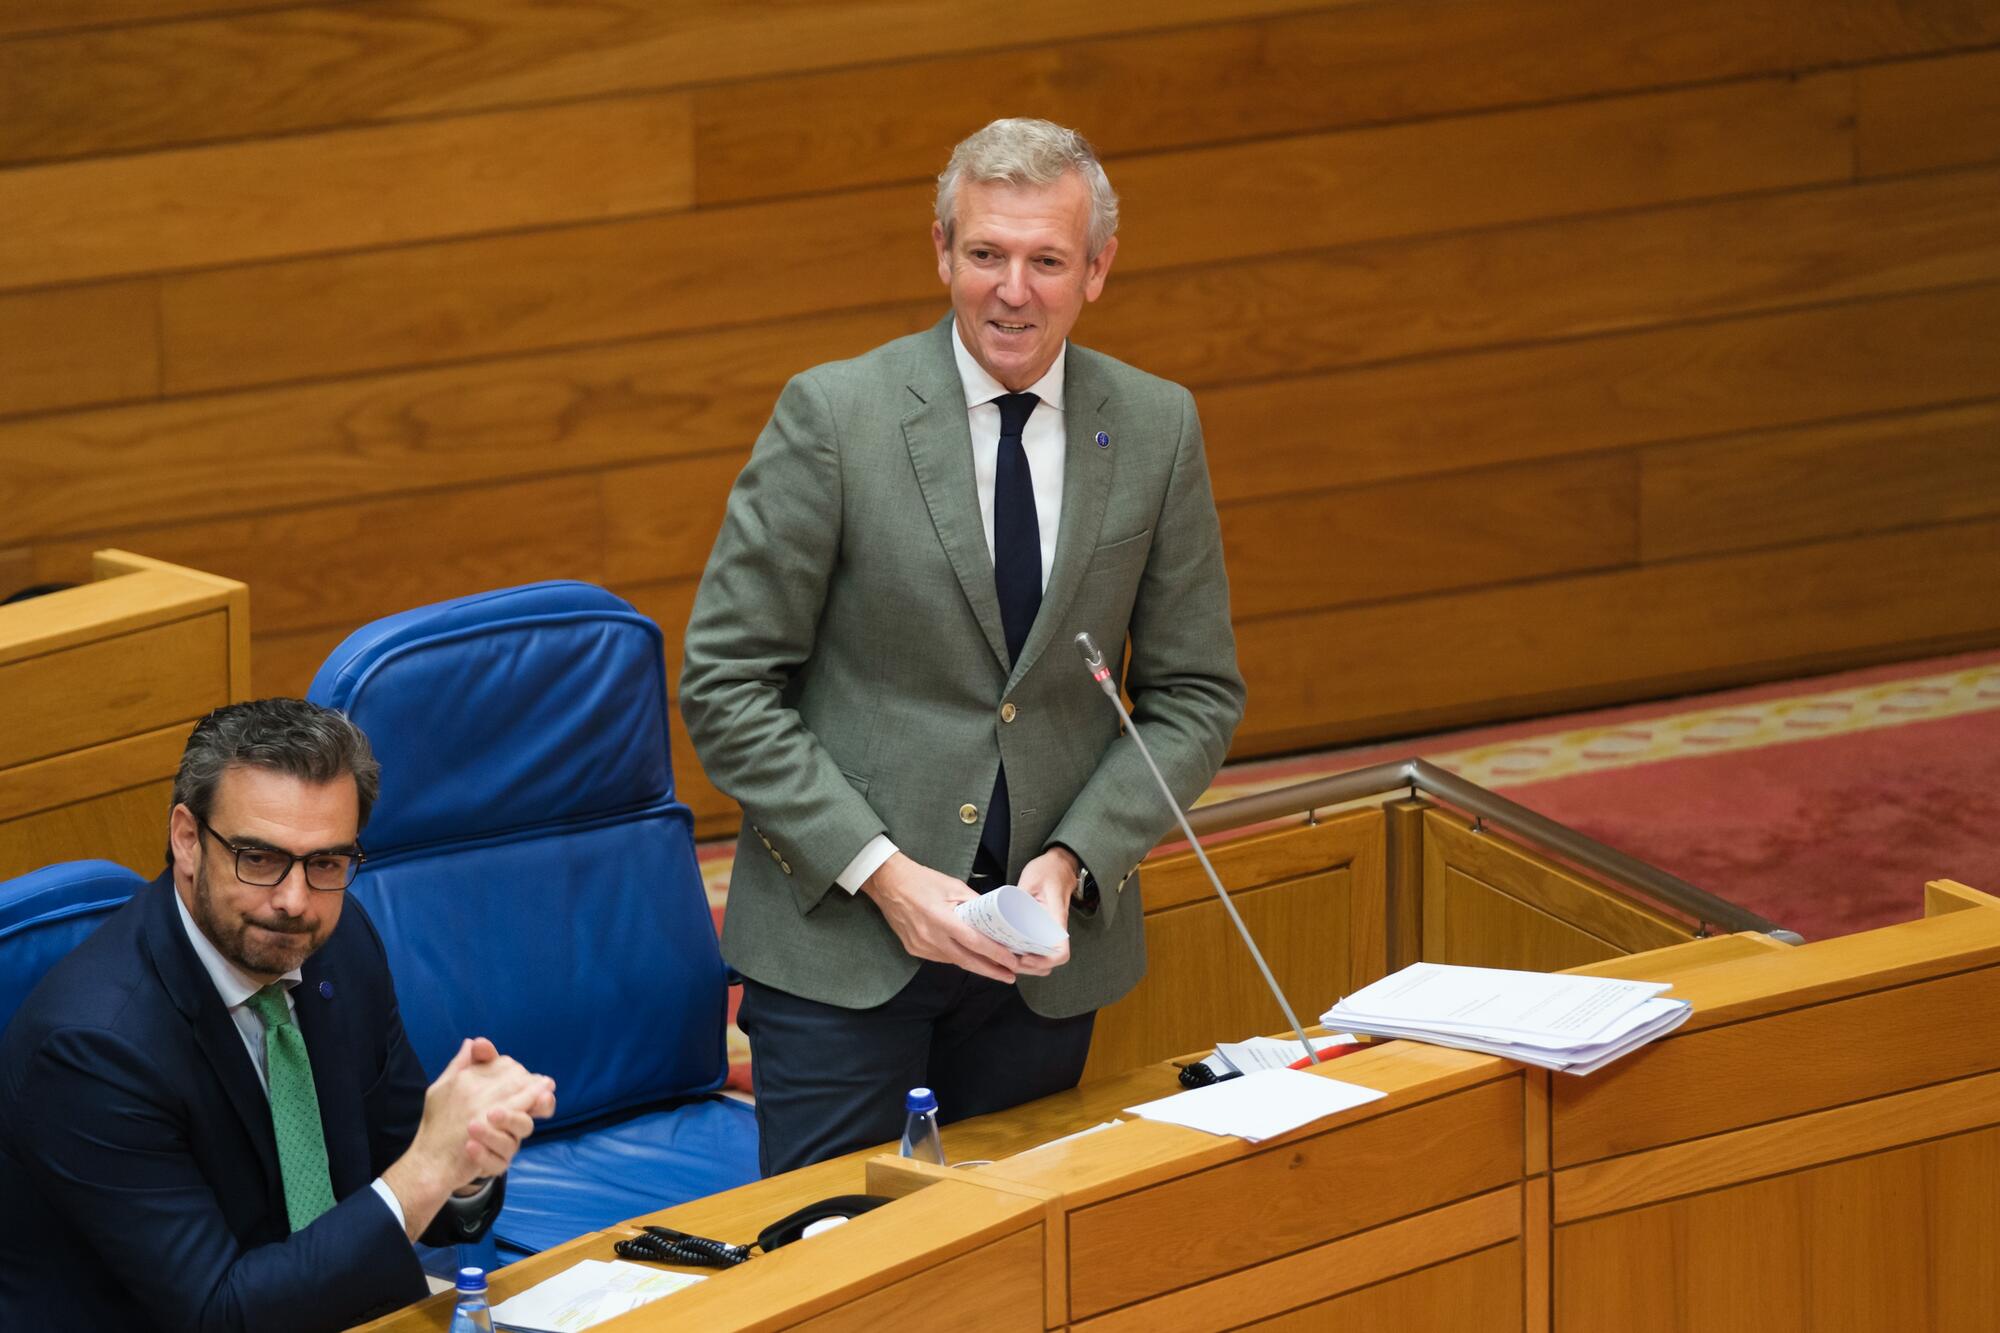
(879, 669)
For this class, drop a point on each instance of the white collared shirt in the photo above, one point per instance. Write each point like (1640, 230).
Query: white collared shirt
(236, 986)
(1044, 440)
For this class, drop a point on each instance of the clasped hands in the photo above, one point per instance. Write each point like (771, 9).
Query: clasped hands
(475, 1115)
(918, 904)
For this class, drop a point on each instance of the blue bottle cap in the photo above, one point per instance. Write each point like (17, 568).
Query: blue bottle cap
(920, 1099)
(472, 1279)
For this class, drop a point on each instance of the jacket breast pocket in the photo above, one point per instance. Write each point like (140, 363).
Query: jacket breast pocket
(1114, 557)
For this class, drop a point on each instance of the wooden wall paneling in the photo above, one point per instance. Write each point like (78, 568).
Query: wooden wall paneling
(423, 430)
(286, 662)
(346, 189)
(1391, 540)
(120, 686)
(1283, 1198)
(1403, 850)
(78, 345)
(127, 826)
(1867, 1045)
(1480, 1290)
(343, 565)
(1325, 676)
(661, 520)
(1488, 902)
(1897, 1239)
(1653, 386)
(1920, 114)
(1339, 67)
(1394, 1254)
(1877, 474)
(797, 257)
(314, 66)
(73, 14)
(1296, 314)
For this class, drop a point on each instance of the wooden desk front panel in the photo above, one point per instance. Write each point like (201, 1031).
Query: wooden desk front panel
(1895, 1240)
(994, 1289)
(1480, 1291)
(1295, 1195)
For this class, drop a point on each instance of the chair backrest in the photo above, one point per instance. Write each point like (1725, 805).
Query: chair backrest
(532, 875)
(46, 913)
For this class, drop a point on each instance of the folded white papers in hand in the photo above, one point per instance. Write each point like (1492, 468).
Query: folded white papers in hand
(1011, 916)
(1576, 1024)
(587, 1293)
(1258, 1106)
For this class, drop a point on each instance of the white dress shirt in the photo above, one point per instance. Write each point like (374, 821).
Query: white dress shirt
(1044, 440)
(236, 986)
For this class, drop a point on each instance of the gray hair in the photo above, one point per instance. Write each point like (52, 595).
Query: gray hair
(1029, 152)
(290, 736)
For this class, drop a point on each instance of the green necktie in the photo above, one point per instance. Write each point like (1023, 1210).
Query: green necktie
(294, 1110)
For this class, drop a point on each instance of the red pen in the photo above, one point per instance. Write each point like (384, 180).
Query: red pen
(1330, 1053)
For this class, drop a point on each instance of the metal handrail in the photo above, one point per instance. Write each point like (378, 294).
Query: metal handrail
(1419, 776)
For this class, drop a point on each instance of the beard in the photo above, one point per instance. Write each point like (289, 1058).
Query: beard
(283, 944)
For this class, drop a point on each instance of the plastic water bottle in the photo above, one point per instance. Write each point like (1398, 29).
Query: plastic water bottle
(471, 1315)
(920, 1127)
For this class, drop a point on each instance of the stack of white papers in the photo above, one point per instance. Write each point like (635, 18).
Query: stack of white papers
(1257, 1106)
(589, 1292)
(1575, 1024)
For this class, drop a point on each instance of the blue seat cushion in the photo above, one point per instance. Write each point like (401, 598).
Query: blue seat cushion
(563, 1185)
(46, 913)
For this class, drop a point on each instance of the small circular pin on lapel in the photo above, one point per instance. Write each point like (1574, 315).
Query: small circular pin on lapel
(326, 990)
(1103, 440)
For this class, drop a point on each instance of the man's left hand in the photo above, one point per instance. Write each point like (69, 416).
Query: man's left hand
(1051, 879)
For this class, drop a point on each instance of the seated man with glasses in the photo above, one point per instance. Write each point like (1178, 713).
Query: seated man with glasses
(209, 1116)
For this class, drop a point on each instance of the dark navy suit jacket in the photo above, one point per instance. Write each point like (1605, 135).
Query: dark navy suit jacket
(139, 1183)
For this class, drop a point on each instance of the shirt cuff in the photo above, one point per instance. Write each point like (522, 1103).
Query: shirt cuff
(381, 1187)
(865, 863)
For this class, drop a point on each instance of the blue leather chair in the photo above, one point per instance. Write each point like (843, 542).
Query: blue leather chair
(46, 913)
(534, 881)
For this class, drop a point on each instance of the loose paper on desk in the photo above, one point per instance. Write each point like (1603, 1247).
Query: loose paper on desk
(1258, 1106)
(587, 1293)
(1010, 915)
(1247, 1057)
(1556, 1021)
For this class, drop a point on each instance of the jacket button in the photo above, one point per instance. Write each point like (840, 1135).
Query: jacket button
(785, 866)
(775, 856)
(968, 814)
(1007, 711)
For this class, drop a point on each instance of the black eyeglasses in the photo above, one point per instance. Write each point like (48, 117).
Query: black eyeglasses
(267, 867)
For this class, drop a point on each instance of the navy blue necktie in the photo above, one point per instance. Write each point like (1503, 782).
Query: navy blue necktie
(1017, 577)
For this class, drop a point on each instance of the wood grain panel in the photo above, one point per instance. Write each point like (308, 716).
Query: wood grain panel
(1720, 1160)
(1490, 526)
(1310, 1190)
(1882, 473)
(203, 207)
(112, 766)
(797, 257)
(1386, 1252)
(1897, 1240)
(18, 19)
(1480, 1291)
(343, 565)
(1870, 1045)
(1493, 863)
(1346, 65)
(1256, 319)
(1201, 985)
(1430, 662)
(426, 430)
(78, 345)
(1921, 114)
(660, 521)
(286, 662)
(1632, 388)
(119, 686)
(995, 1289)
(1174, 877)
(319, 65)
(129, 827)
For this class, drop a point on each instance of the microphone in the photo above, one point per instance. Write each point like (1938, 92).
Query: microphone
(1093, 658)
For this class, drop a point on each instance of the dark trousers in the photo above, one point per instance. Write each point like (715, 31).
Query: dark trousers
(829, 1080)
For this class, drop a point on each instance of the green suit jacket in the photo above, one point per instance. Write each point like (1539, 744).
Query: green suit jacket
(846, 672)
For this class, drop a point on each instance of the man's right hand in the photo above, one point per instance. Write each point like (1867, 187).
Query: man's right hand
(917, 902)
(475, 1116)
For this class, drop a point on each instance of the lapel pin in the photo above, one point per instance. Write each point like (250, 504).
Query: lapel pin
(326, 990)
(1103, 440)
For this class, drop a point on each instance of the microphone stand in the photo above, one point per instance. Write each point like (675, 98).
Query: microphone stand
(1093, 658)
